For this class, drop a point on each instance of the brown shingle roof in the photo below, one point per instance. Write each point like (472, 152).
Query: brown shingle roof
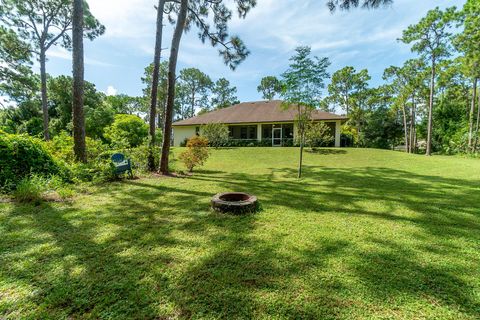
(252, 112)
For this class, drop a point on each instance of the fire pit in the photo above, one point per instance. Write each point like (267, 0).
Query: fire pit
(234, 202)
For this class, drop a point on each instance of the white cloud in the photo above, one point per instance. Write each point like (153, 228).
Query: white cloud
(125, 18)
(111, 91)
(62, 53)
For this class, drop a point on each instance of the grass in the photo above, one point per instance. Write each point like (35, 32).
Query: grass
(367, 234)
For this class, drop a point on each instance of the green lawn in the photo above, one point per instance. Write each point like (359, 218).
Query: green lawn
(366, 234)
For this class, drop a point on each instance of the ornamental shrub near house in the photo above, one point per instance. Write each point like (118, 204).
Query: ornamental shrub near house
(318, 134)
(196, 153)
(216, 133)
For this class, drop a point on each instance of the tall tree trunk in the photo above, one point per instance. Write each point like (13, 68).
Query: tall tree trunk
(412, 127)
(430, 110)
(160, 120)
(300, 162)
(172, 65)
(192, 112)
(405, 127)
(43, 77)
(477, 126)
(472, 114)
(78, 119)
(155, 80)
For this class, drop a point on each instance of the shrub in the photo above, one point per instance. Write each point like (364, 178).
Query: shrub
(126, 131)
(21, 156)
(61, 147)
(318, 134)
(458, 143)
(216, 133)
(30, 189)
(196, 153)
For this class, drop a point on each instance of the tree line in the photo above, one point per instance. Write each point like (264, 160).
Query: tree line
(422, 92)
(30, 28)
(430, 103)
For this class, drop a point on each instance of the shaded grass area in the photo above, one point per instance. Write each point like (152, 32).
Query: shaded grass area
(366, 234)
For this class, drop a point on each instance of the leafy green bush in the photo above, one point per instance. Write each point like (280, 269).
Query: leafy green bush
(61, 147)
(139, 156)
(318, 134)
(21, 156)
(98, 170)
(126, 131)
(216, 134)
(458, 143)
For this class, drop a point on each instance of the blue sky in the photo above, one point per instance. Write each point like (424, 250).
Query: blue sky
(360, 38)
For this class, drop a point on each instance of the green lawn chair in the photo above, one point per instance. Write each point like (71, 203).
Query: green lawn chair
(121, 164)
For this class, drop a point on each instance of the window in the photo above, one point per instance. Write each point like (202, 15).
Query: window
(197, 131)
(267, 131)
(252, 132)
(288, 131)
(243, 132)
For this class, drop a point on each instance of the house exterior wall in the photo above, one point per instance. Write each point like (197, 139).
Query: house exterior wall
(180, 133)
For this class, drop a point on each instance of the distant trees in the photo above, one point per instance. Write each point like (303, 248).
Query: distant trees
(269, 86)
(382, 128)
(406, 84)
(466, 42)
(161, 90)
(430, 38)
(223, 94)
(43, 24)
(347, 86)
(304, 82)
(193, 91)
(123, 103)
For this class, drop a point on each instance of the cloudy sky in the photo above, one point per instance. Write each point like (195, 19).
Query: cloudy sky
(360, 38)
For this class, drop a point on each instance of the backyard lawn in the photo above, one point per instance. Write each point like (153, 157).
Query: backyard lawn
(365, 234)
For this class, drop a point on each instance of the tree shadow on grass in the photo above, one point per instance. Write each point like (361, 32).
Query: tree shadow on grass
(324, 151)
(152, 249)
(394, 272)
(101, 262)
(446, 210)
(441, 204)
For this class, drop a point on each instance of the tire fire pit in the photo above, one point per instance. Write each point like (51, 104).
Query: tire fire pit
(234, 202)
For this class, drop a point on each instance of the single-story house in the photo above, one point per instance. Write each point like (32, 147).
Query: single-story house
(262, 121)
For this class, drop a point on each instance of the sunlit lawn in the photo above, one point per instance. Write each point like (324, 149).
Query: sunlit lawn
(366, 234)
